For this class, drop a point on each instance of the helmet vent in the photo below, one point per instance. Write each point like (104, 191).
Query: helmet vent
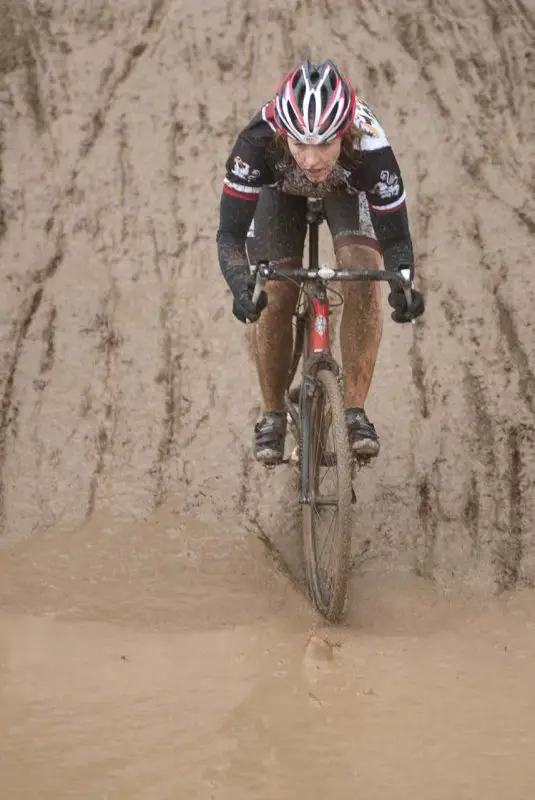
(315, 103)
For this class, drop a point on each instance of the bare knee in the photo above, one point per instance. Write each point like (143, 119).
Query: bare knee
(282, 295)
(365, 294)
(282, 298)
(358, 256)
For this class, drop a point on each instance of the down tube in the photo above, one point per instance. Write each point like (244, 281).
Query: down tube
(319, 329)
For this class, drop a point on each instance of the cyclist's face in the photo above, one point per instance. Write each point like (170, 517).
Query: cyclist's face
(316, 160)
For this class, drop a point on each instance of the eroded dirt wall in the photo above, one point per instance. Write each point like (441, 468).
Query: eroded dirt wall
(124, 377)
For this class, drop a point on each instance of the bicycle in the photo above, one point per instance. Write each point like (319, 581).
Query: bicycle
(316, 414)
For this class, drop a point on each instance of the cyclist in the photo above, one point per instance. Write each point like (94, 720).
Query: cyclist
(315, 139)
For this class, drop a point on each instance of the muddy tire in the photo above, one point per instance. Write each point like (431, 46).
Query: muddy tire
(327, 515)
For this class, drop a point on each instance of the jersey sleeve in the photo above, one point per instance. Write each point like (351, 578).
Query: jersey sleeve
(384, 182)
(246, 170)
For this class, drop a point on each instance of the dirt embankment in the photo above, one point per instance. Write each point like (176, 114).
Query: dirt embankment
(124, 377)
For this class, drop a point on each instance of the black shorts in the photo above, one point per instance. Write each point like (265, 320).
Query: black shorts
(278, 229)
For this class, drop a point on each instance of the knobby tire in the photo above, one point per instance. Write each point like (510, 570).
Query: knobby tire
(328, 587)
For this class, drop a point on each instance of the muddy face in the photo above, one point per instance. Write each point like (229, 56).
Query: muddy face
(317, 161)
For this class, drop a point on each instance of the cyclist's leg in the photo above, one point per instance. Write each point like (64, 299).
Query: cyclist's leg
(361, 326)
(278, 235)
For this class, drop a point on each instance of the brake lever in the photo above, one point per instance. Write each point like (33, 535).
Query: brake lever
(259, 283)
(258, 286)
(407, 287)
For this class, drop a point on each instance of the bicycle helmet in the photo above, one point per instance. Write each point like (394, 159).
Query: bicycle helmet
(314, 103)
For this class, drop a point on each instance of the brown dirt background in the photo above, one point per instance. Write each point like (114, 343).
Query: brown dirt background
(127, 395)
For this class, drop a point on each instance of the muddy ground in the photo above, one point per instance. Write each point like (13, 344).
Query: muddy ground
(127, 396)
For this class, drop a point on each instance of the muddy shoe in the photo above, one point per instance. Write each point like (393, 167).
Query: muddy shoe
(269, 435)
(362, 434)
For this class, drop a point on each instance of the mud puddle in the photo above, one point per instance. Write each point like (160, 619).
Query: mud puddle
(137, 663)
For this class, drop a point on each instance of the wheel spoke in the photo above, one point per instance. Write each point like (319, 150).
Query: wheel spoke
(328, 538)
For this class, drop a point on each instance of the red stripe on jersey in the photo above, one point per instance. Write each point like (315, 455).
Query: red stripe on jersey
(240, 195)
(379, 210)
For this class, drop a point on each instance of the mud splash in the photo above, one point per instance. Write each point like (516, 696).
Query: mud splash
(136, 662)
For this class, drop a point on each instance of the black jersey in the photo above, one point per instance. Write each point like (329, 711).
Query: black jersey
(260, 158)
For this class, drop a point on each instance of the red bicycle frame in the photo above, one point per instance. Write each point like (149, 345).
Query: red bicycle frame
(319, 339)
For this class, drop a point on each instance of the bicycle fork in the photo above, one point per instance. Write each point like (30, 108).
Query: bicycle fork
(308, 387)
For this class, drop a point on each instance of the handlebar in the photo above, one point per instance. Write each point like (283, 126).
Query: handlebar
(263, 271)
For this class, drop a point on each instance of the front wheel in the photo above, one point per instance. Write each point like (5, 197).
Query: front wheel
(327, 514)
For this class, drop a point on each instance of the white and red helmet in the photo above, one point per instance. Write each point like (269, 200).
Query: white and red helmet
(314, 104)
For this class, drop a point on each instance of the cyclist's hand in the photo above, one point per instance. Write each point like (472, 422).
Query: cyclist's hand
(243, 307)
(403, 311)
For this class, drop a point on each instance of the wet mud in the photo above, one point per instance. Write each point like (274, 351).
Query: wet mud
(133, 521)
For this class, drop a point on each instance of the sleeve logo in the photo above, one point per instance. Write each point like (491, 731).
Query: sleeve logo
(243, 170)
(388, 187)
(365, 119)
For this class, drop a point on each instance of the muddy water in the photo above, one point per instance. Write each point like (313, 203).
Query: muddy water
(158, 661)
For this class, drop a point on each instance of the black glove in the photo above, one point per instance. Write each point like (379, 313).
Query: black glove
(243, 308)
(403, 311)
(396, 258)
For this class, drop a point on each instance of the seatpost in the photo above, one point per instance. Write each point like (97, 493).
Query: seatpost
(314, 216)
(313, 238)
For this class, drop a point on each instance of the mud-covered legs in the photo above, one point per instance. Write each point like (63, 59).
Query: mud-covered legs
(360, 332)
(361, 324)
(272, 341)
